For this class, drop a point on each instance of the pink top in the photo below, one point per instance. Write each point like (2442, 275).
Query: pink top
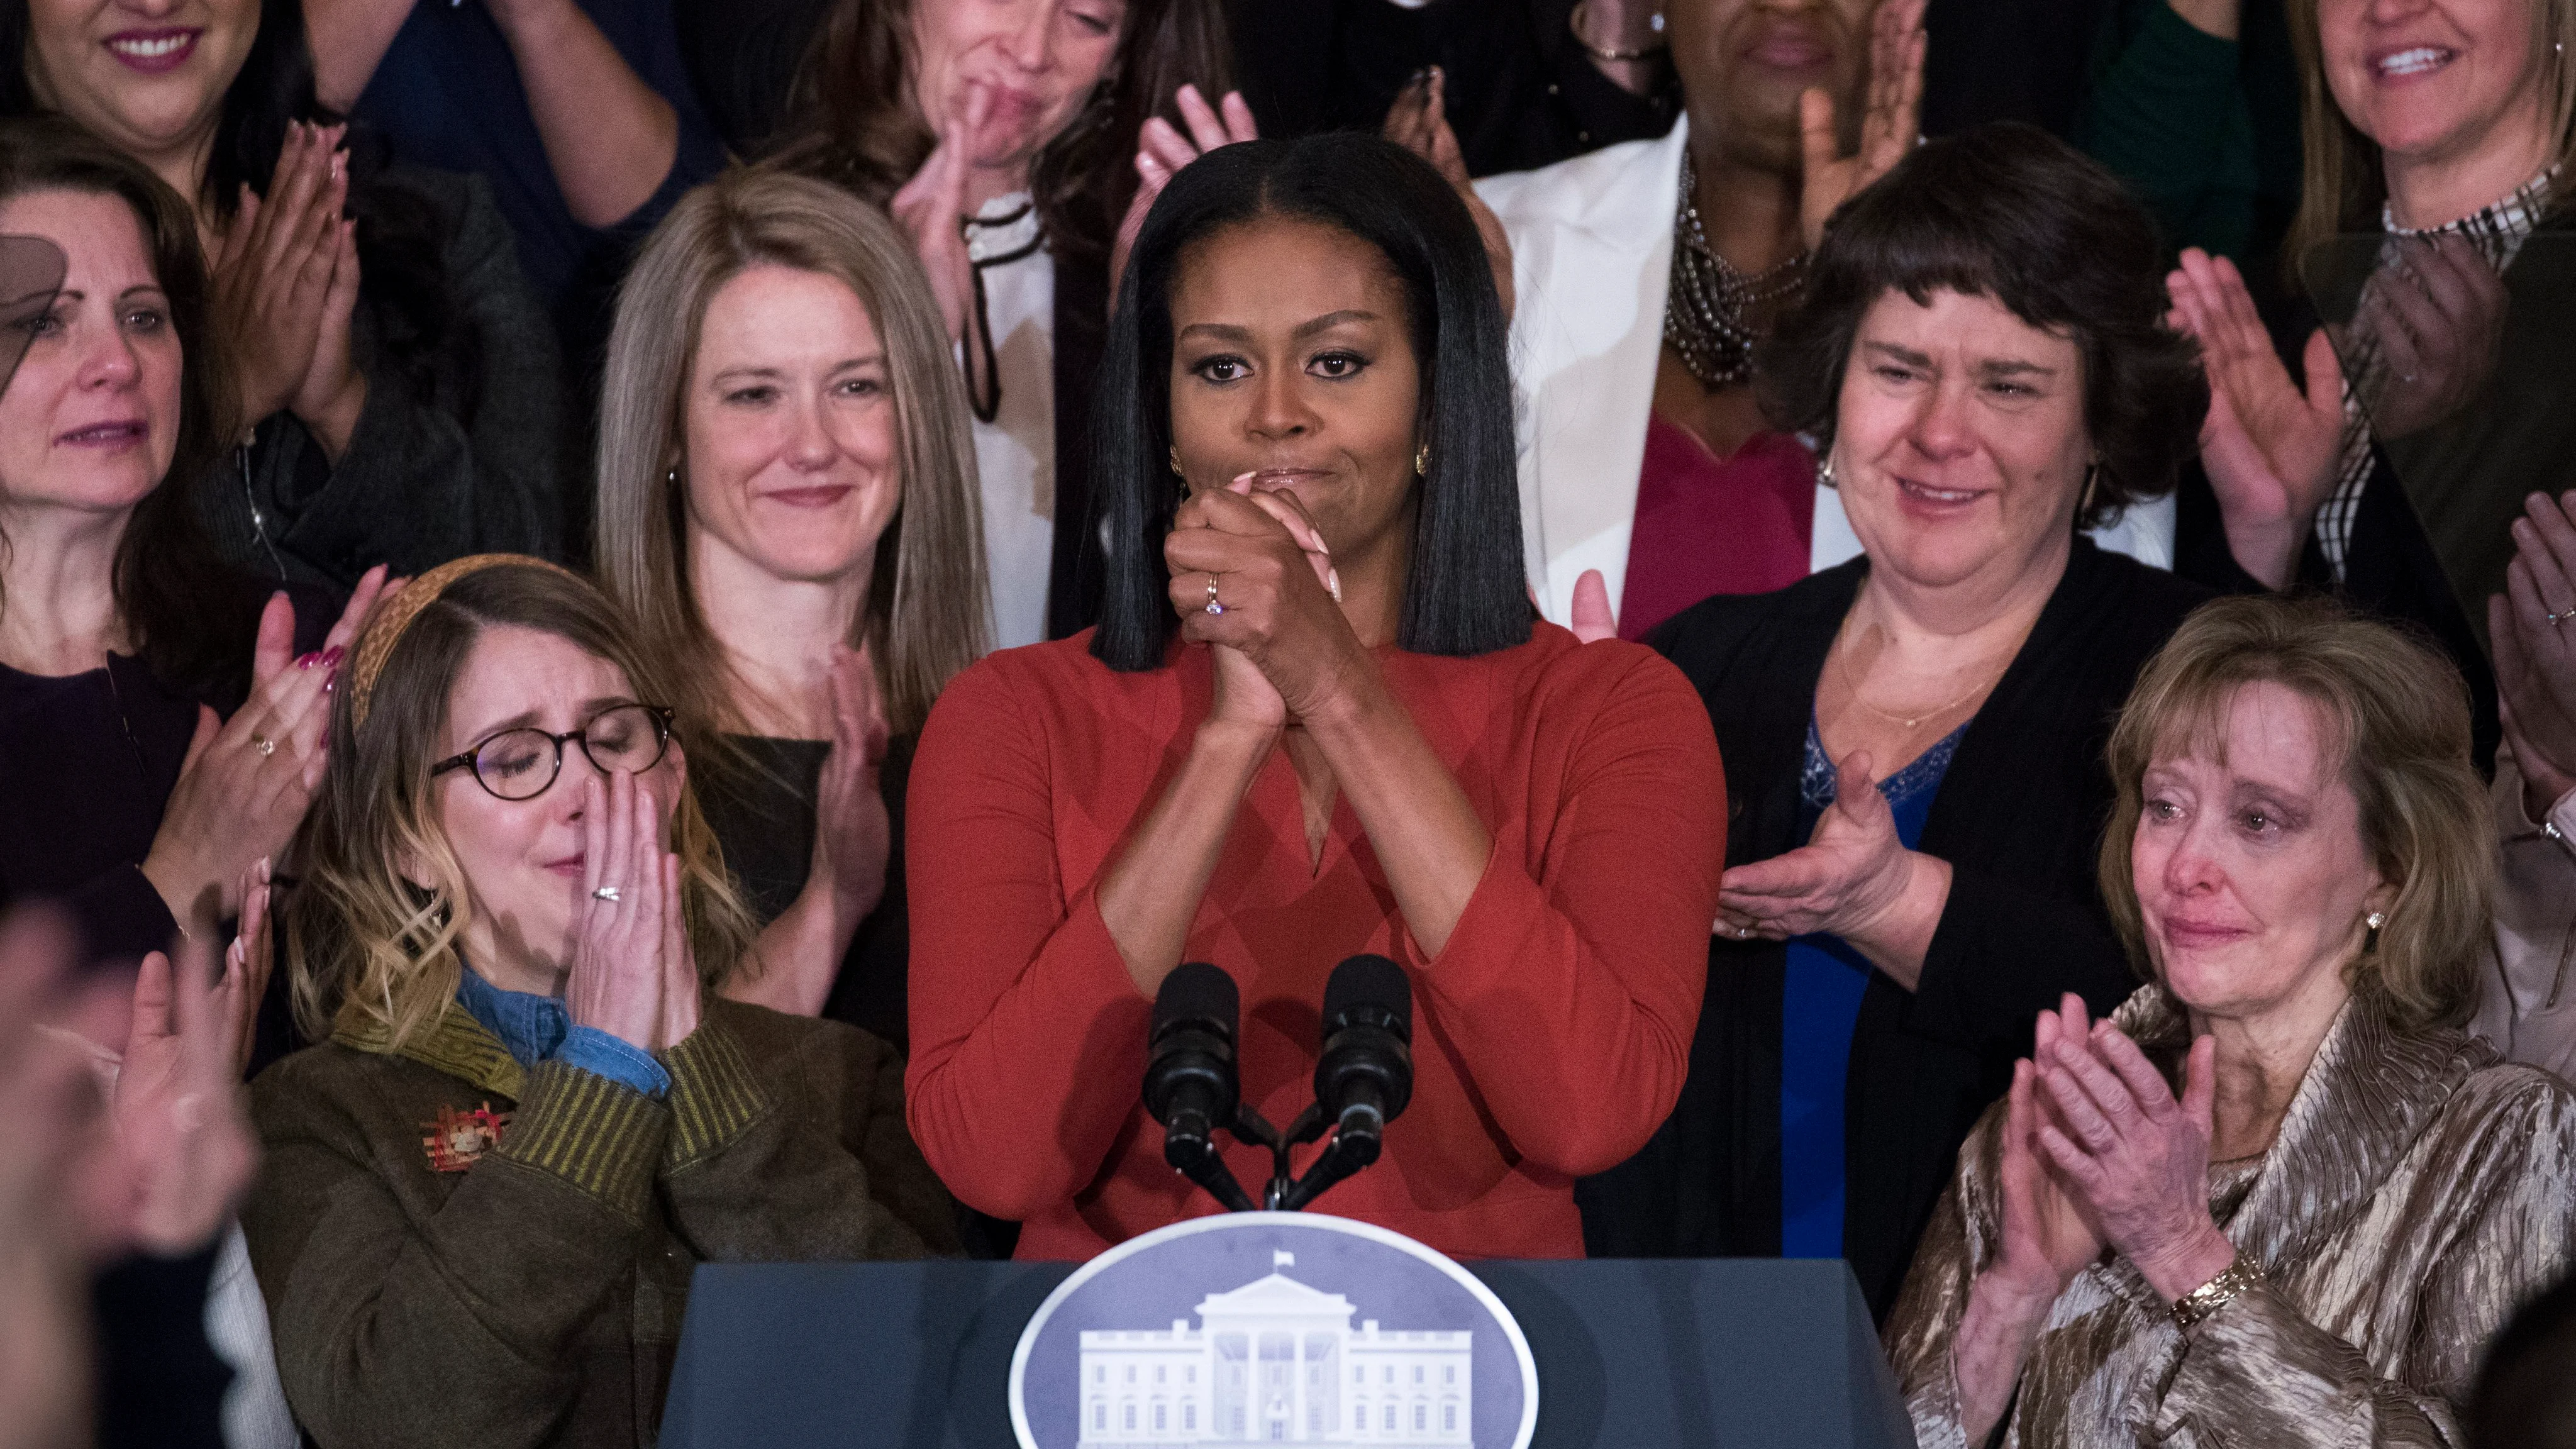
(1709, 525)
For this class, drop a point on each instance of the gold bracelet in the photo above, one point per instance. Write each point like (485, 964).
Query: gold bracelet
(1574, 24)
(2194, 1307)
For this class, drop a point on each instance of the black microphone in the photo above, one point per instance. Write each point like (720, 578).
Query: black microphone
(1190, 1082)
(1364, 1079)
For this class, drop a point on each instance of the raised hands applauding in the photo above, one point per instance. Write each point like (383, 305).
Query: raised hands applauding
(247, 780)
(286, 285)
(1891, 119)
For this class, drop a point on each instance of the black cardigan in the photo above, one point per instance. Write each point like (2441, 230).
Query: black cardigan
(2019, 818)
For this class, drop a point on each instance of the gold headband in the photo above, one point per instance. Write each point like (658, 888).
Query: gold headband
(385, 627)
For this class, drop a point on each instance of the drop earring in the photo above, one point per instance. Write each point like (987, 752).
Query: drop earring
(2370, 941)
(1176, 462)
(1422, 461)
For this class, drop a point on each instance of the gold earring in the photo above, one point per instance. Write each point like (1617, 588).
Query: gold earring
(1176, 462)
(2084, 501)
(1422, 461)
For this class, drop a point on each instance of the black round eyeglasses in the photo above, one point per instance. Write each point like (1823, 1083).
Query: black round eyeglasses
(521, 764)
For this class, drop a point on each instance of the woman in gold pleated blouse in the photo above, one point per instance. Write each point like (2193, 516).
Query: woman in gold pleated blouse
(2278, 1198)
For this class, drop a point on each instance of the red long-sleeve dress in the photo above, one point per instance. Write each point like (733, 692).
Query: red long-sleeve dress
(1550, 1036)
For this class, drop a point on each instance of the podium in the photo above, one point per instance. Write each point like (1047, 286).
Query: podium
(1734, 1353)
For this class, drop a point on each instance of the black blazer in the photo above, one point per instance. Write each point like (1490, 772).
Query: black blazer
(2019, 818)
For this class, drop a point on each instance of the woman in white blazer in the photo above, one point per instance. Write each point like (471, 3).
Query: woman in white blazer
(1603, 351)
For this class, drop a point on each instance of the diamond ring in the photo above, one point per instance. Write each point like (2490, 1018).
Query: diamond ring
(1213, 606)
(606, 893)
(264, 745)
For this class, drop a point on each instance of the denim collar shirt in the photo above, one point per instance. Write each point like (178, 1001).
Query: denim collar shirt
(540, 1029)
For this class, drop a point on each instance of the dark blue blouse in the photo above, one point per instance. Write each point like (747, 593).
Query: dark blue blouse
(1820, 1000)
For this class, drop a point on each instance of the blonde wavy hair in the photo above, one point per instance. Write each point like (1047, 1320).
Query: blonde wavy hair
(2397, 713)
(370, 933)
(924, 619)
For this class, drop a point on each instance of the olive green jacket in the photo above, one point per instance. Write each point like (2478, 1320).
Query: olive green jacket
(428, 1288)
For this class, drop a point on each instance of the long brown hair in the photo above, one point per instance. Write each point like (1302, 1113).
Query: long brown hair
(2342, 186)
(924, 618)
(851, 118)
(189, 616)
(369, 943)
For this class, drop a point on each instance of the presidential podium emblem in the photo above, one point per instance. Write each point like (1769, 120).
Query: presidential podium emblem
(1272, 1328)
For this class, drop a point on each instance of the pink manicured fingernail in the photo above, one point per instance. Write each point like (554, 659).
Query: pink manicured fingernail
(307, 661)
(333, 655)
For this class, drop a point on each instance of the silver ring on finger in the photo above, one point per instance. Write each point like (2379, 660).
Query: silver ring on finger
(264, 745)
(605, 893)
(1213, 606)
(2560, 617)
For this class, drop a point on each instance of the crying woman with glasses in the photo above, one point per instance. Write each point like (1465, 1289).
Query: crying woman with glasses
(532, 1116)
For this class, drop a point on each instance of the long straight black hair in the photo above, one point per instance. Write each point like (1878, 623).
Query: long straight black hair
(1467, 593)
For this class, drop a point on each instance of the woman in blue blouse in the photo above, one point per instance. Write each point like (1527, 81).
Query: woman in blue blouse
(1916, 736)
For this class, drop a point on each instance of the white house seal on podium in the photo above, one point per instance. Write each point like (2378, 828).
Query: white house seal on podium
(1272, 1328)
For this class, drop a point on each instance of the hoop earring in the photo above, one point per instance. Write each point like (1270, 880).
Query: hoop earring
(2370, 940)
(1422, 461)
(1825, 472)
(2084, 500)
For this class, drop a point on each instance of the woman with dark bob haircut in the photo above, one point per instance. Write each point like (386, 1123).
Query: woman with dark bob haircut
(1359, 741)
(1915, 737)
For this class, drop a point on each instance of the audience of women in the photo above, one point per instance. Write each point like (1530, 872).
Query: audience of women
(1317, 719)
(161, 713)
(511, 915)
(1003, 136)
(787, 509)
(1914, 738)
(2444, 126)
(395, 398)
(2278, 1198)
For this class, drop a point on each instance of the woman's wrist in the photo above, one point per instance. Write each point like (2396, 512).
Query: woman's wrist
(2269, 550)
(2201, 1255)
(335, 422)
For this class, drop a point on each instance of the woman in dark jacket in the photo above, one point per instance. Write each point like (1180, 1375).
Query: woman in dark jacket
(1914, 738)
(396, 396)
(484, 1193)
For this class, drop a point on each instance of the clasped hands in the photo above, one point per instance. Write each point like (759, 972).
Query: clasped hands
(633, 974)
(1285, 651)
(2097, 1151)
(286, 282)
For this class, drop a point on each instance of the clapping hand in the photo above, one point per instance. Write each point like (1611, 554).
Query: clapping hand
(1843, 880)
(2535, 659)
(2046, 1236)
(2131, 1157)
(245, 783)
(286, 284)
(633, 974)
(932, 206)
(1161, 151)
(1419, 122)
(2270, 447)
(181, 1129)
(853, 835)
(2436, 318)
(1891, 120)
